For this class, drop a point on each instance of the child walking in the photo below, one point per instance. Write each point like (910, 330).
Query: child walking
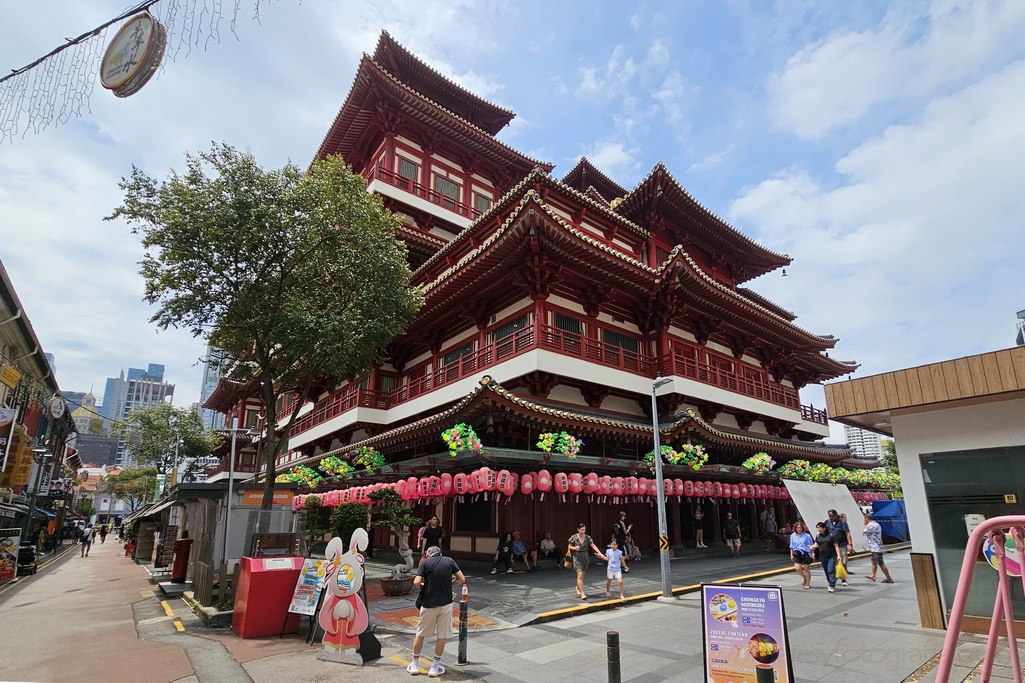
(615, 569)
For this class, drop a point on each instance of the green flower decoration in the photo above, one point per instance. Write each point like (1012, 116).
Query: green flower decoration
(560, 442)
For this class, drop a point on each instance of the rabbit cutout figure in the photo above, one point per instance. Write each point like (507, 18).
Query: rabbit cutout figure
(343, 615)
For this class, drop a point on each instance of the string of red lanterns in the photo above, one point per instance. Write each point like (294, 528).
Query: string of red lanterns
(505, 484)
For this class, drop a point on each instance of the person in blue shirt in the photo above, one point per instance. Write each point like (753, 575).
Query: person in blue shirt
(519, 550)
(615, 569)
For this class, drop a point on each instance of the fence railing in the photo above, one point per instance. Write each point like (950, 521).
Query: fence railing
(416, 189)
(993, 530)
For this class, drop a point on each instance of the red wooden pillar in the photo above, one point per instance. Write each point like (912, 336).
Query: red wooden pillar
(675, 522)
(389, 153)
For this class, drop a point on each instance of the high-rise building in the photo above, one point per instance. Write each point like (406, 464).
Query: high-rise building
(213, 362)
(135, 389)
(1020, 341)
(864, 443)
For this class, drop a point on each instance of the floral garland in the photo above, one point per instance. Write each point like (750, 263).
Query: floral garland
(561, 442)
(795, 469)
(805, 471)
(461, 437)
(759, 463)
(689, 454)
(335, 467)
(302, 475)
(369, 458)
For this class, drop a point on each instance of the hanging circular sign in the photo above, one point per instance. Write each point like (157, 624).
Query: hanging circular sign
(133, 55)
(57, 407)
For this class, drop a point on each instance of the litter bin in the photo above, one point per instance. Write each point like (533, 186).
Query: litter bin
(264, 592)
(182, 548)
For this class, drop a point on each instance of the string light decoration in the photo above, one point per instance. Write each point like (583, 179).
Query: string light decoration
(58, 86)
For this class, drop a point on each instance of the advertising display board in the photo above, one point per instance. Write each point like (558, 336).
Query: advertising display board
(10, 541)
(309, 586)
(745, 634)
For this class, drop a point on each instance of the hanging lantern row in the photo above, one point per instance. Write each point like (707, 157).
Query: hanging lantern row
(504, 484)
(869, 496)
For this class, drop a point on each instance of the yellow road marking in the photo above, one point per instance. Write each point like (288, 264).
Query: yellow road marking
(167, 608)
(179, 625)
(405, 662)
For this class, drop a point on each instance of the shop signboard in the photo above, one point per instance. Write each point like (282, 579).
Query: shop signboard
(9, 376)
(7, 416)
(308, 588)
(745, 634)
(254, 498)
(10, 541)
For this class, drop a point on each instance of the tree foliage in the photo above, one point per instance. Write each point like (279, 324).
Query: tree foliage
(134, 485)
(889, 454)
(85, 508)
(157, 435)
(297, 276)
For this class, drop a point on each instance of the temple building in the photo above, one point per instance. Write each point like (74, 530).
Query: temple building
(552, 304)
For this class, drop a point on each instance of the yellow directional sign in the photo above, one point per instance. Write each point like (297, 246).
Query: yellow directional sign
(663, 543)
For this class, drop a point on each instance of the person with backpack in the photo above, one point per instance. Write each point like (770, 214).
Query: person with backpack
(87, 539)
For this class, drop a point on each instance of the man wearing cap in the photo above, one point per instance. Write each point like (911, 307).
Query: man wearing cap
(435, 578)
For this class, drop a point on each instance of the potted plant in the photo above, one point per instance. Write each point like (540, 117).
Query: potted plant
(387, 510)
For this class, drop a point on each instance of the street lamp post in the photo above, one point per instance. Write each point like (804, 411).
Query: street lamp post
(39, 455)
(663, 534)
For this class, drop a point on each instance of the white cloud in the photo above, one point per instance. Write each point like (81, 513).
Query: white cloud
(841, 78)
(918, 247)
(614, 158)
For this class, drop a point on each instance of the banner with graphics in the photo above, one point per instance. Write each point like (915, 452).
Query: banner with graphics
(10, 541)
(309, 587)
(7, 416)
(745, 634)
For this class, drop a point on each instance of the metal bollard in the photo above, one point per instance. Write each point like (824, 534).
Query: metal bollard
(612, 641)
(464, 612)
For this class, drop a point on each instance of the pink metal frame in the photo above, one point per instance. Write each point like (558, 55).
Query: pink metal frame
(993, 530)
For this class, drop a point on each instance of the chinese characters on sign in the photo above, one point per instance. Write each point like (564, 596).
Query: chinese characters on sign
(10, 541)
(745, 634)
(133, 55)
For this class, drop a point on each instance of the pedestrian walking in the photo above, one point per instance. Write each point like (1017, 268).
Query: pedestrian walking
(620, 530)
(800, 552)
(874, 540)
(579, 544)
(433, 533)
(826, 545)
(615, 569)
(87, 540)
(435, 579)
(103, 533)
(699, 527)
(731, 532)
(841, 533)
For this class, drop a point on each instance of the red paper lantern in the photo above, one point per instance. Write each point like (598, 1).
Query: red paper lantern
(743, 490)
(677, 487)
(446, 484)
(561, 482)
(717, 489)
(688, 488)
(618, 486)
(488, 479)
(411, 488)
(434, 486)
(504, 482)
(527, 483)
(591, 485)
(576, 482)
(605, 485)
(631, 486)
(544, 481)
(667, 486)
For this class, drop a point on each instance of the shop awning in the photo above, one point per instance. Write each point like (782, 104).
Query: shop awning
(10, 510)
(159, 507)
(45, 513)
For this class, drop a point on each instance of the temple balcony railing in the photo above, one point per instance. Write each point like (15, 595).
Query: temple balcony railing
(422, 191)
(240, 467)
(562, 342)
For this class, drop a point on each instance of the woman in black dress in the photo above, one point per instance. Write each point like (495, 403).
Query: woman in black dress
(432, 535)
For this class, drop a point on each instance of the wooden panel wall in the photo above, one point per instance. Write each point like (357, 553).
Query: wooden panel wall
(982, 375)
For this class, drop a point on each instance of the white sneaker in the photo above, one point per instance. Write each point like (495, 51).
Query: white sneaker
(494, 571)
(843, 583)
(413, 669)
(436, 670)
(507, 571)
(832, 590)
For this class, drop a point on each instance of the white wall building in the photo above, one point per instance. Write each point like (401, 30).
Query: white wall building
(864, 443)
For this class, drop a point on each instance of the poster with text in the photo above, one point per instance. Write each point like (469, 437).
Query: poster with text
(309, 587)
(745, 634)
(10, 541)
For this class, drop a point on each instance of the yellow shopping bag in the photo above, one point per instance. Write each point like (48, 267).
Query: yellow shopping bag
(841, 571)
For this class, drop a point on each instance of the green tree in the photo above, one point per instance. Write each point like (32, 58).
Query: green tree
(161, 436)
(889, 454)
(296, 275)
(134, 485)
(348, 517)
(85, 508)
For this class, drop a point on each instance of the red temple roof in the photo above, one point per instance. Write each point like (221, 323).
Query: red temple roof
(585, 175)
(408, 69)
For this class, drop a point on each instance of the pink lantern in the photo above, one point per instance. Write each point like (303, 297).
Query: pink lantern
(667, 486)
(743, 490)
(544, 482)
(422, 487)
(677, 487)
(488, 479)
(412, 489)
(605, 485)
(561, 482)
(735, 491)
(688, 488)
(632, 485)
(473, 482)
(504, 480)
(576, 482)
(591, 485)
(643, 486)
(717, 491)
(527, 483)
(618, 486)
(434, 486)
(459, 484)
(446, 484)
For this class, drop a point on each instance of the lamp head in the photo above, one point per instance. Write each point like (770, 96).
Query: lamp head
(660, 382)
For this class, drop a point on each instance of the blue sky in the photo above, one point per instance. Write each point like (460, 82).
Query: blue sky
(881, 146)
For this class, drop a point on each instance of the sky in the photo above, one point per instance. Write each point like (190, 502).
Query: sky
(881, 145)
